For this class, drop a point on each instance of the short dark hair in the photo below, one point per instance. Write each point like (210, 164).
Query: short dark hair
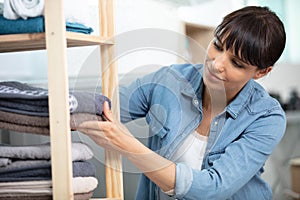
(255, 34)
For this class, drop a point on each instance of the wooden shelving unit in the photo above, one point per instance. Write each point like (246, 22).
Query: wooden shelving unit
(55, 40)
(37, 41)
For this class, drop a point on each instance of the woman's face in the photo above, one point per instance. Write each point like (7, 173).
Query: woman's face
(225, 71)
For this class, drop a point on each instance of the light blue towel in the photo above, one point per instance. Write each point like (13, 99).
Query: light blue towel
(79, 28)
(35, 25)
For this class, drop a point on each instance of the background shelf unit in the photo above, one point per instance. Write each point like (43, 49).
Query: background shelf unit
(199, 37)
(55, 40)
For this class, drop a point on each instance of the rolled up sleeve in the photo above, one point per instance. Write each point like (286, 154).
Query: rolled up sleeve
(184, 179)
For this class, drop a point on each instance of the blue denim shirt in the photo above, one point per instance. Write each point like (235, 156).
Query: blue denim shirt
(240, 141)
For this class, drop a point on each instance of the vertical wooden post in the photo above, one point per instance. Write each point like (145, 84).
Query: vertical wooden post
(113, 160)
(60, 136)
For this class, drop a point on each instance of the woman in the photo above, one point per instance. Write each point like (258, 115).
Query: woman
(212, 127)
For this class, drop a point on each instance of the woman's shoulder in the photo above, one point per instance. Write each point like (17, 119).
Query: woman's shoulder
(261, 101)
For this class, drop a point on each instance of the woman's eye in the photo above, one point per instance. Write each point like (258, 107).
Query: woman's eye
(236, 64)
(218, 46)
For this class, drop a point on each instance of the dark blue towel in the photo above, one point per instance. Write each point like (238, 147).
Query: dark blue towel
(43, 172)
(36, 25)
(17, 97)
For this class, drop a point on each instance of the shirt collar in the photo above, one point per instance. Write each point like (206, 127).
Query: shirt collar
(240, 101)
(195, 83)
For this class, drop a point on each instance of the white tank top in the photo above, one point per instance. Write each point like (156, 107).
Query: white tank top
(191, 151)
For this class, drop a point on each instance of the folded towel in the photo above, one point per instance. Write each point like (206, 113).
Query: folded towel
(43, 122)
(25, 128)
(25, 120)
(27, 106)
(14, 95)
(39, 125)
(14, 9)
(80, 151)
(80, 185)
(35, 25)
(31, 25)
(41, 196)
(41, 170)
(75, 11)
(84, 184)
(4, 162)
(79, 28)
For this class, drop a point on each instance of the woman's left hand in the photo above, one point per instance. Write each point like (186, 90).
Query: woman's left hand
(110, 134)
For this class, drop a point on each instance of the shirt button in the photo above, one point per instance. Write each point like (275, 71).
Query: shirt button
(196, 102)
(216, 123)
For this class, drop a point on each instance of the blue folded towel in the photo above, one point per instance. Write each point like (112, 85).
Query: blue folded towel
(35, 25)
(79, 28)
(31, 25)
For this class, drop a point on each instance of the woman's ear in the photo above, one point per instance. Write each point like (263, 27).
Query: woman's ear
(262, 72)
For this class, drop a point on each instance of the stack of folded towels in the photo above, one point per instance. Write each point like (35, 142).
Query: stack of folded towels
(25, 172)
(27, 16)
(24, 108)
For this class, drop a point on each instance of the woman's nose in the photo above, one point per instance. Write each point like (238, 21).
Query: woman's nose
(219, 63)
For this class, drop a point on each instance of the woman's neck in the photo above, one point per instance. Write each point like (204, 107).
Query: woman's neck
(212, 101)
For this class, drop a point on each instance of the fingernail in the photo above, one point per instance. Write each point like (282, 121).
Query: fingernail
(106, 105)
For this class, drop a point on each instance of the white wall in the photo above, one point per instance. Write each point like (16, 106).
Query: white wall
(282, 79)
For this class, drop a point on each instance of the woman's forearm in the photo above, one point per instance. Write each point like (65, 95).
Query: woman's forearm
(116, 137)
(160, 170)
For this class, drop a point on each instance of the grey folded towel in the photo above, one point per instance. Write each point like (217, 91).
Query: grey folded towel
(80, 151)
(4, 162)
(41, 170)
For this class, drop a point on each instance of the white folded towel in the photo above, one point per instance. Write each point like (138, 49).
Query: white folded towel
(14, 9)
(80, 151)
(80, 185)
(76, 11)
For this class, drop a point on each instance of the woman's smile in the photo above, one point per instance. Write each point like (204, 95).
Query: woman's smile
(210, 73)
(214, 76)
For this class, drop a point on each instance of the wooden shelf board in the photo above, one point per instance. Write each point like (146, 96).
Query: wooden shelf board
(36, 41)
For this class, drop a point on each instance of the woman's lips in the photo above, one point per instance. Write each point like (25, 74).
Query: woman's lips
(214, 76)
